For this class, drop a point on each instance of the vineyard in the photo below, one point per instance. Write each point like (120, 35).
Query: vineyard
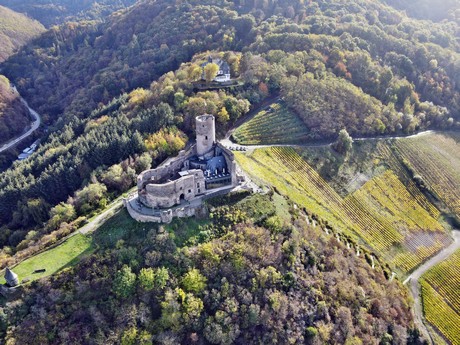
(440, 314)
(441, 297)
(392, 160)
(382, 212)
(436, 159)
(273, 125)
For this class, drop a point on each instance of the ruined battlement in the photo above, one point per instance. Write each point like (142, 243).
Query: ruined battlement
(183, 181)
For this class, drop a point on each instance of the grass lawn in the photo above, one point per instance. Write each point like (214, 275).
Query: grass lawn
(121, 227)
(64, 255)
(282, 207)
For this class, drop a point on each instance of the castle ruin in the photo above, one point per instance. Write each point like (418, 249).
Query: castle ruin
(179, 185)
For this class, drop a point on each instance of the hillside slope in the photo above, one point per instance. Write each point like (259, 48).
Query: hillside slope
(14, 116)
(15, 30)
(73, 68)
(52, 12)
(225, 281)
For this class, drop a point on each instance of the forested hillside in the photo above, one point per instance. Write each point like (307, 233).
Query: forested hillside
(15, 30)
(73, 68)
(52, 12)
(120, 95)
(254, 274)
(14, 116)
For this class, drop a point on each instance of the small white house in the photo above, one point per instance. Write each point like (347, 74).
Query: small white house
(223, 74)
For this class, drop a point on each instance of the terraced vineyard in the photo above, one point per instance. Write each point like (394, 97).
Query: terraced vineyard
(393, 162)
(273, 125)
(382, 212)
(441, 297)
(436, 158)
(401, 219)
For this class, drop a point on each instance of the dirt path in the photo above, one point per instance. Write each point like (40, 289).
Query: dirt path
(35, 124)
(102, 217)
(414, 286)
(228, 142)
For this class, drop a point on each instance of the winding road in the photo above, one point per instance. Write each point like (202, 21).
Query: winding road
(227, 141)
(413, 280)
(35, 124)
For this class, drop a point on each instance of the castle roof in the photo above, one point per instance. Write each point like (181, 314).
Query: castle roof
(216, 163)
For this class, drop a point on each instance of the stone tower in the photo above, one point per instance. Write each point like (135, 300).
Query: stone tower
(205, 134)
(11, 278)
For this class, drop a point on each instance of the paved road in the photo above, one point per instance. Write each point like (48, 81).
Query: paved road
(414, 286)
(35, 124)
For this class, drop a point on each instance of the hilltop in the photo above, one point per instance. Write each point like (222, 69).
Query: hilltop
(51, 13)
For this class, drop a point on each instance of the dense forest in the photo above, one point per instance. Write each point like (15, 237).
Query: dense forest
(73, 68)
(15, 30)
(249, 277)
(52, 12)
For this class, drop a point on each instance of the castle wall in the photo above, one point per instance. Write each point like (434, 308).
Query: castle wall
(231, 162)
(166, 169)
(166, 216)
(172, 193)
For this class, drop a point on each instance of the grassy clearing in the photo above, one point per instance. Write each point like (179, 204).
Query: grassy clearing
(275, 124)
(282, 207)
(64, 255)
(382, 212)
(121, 227)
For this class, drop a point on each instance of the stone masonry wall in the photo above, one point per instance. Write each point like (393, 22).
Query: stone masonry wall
(170, 193)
